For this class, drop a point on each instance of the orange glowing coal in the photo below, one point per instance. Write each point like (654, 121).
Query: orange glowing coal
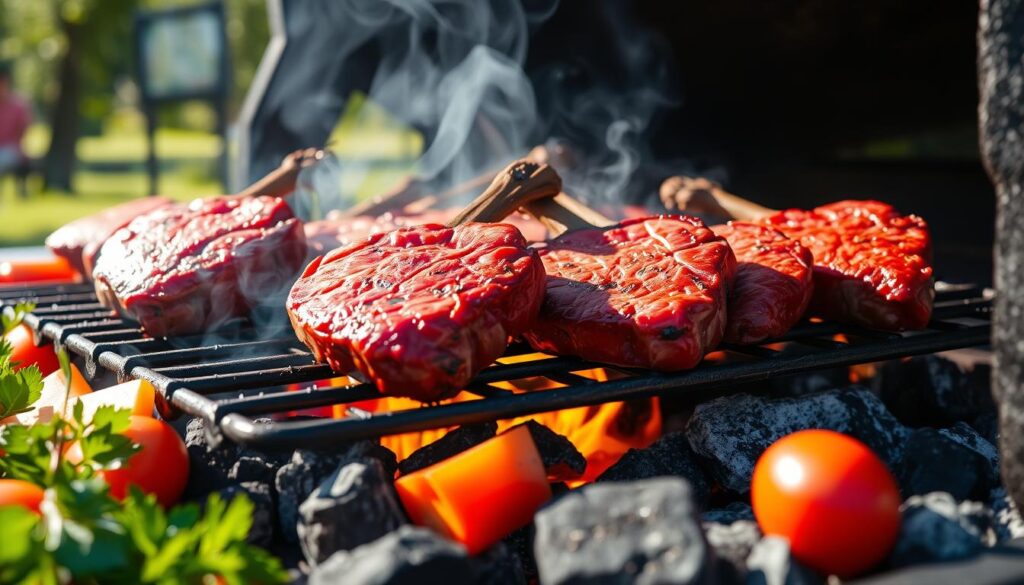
(602, 433)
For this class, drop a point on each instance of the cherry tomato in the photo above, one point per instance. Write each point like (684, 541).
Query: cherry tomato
(831, 497)
(15, 492)
(27, 354)
(160, 467)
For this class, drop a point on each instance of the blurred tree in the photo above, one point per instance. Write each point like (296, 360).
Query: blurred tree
(69, 55)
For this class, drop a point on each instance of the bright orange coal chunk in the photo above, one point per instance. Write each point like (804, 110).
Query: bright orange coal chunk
(480, 495)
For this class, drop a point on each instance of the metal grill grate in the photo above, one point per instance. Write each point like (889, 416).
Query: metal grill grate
(229, 384)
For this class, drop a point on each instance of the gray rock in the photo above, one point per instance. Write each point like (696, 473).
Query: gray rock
(354, 506)
(307, 469)
(732, 432)
(931, 391)
(453, 443)
(670, 455)
(966, 436)
(733, 542)
(296, 480)
(939, 460)
(1006, 518)
(936, 528)
(732, 512)
(261, 533)
(520, 545)
(1001, 121)
(561, 459)
(409, 555)
(770, 563)
(209, 466)
(642, 532)
(498, 565)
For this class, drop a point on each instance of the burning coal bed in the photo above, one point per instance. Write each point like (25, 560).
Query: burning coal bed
(677, 511)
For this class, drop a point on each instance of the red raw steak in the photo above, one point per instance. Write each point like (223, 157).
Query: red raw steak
(872, 265)
(773, 282)
(647, 292)
(187, 268)
(79, 241)
(419, 310)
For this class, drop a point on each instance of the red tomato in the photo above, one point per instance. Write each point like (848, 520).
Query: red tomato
(15, 492)
(831, 497)
(160, 467)
(26, 353)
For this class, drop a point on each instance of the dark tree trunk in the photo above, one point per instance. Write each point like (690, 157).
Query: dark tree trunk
(1001, 114)
(65, 115)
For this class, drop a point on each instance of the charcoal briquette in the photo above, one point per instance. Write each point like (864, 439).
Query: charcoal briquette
(453, 443)
(669, 455)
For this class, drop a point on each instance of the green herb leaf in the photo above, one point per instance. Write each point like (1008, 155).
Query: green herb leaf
(19, 390)
(11, 319)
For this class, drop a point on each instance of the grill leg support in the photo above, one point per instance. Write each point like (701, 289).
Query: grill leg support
(1001, 115)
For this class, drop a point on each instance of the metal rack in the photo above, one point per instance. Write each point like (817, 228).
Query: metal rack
(230, 384)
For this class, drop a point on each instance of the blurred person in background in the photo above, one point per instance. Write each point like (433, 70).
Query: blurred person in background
(15, 117)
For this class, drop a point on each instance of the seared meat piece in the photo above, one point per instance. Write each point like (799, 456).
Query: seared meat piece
(419, 310)
(647, 292)
(327, 234)
(773, 282)
(79, 242)
(872, 265)
(186, 268)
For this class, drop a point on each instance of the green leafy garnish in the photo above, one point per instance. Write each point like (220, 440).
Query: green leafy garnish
(18, 389)
(11, 319)
(87, 535)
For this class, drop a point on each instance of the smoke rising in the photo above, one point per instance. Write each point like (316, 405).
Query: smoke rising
(456, 70)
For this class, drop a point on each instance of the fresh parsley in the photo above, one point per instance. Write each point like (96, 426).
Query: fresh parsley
(11, 319)
(85, 536)
(20, 388)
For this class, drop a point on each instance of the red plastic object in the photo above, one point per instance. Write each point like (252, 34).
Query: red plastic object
(480, 495)
(831, 497)
(51, 269)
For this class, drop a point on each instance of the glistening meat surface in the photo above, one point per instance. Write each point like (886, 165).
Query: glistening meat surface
(872, 265)
(186, 268)
(648, 292)
(420, 310)
(773, 282)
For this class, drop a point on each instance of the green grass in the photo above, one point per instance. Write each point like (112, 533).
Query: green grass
(364, 132)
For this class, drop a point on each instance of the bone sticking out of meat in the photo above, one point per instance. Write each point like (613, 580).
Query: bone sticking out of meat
(773, 283)
(335, 231)
(645, 292)
(872, 265)
(421, 310)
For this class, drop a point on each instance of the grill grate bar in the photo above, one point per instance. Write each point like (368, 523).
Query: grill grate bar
(229, 383)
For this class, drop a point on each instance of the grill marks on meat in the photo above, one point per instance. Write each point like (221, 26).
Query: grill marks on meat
(420, 310)
(872, 265)
(79, 241)
(187, 268)
(648, 292)
(773, 282)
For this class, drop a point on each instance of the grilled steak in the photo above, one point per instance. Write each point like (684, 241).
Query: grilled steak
(79, 242)
(872, 265)
(647, 292)
(773, 282)
(327, 234)
(186, 268)
(419, 310)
